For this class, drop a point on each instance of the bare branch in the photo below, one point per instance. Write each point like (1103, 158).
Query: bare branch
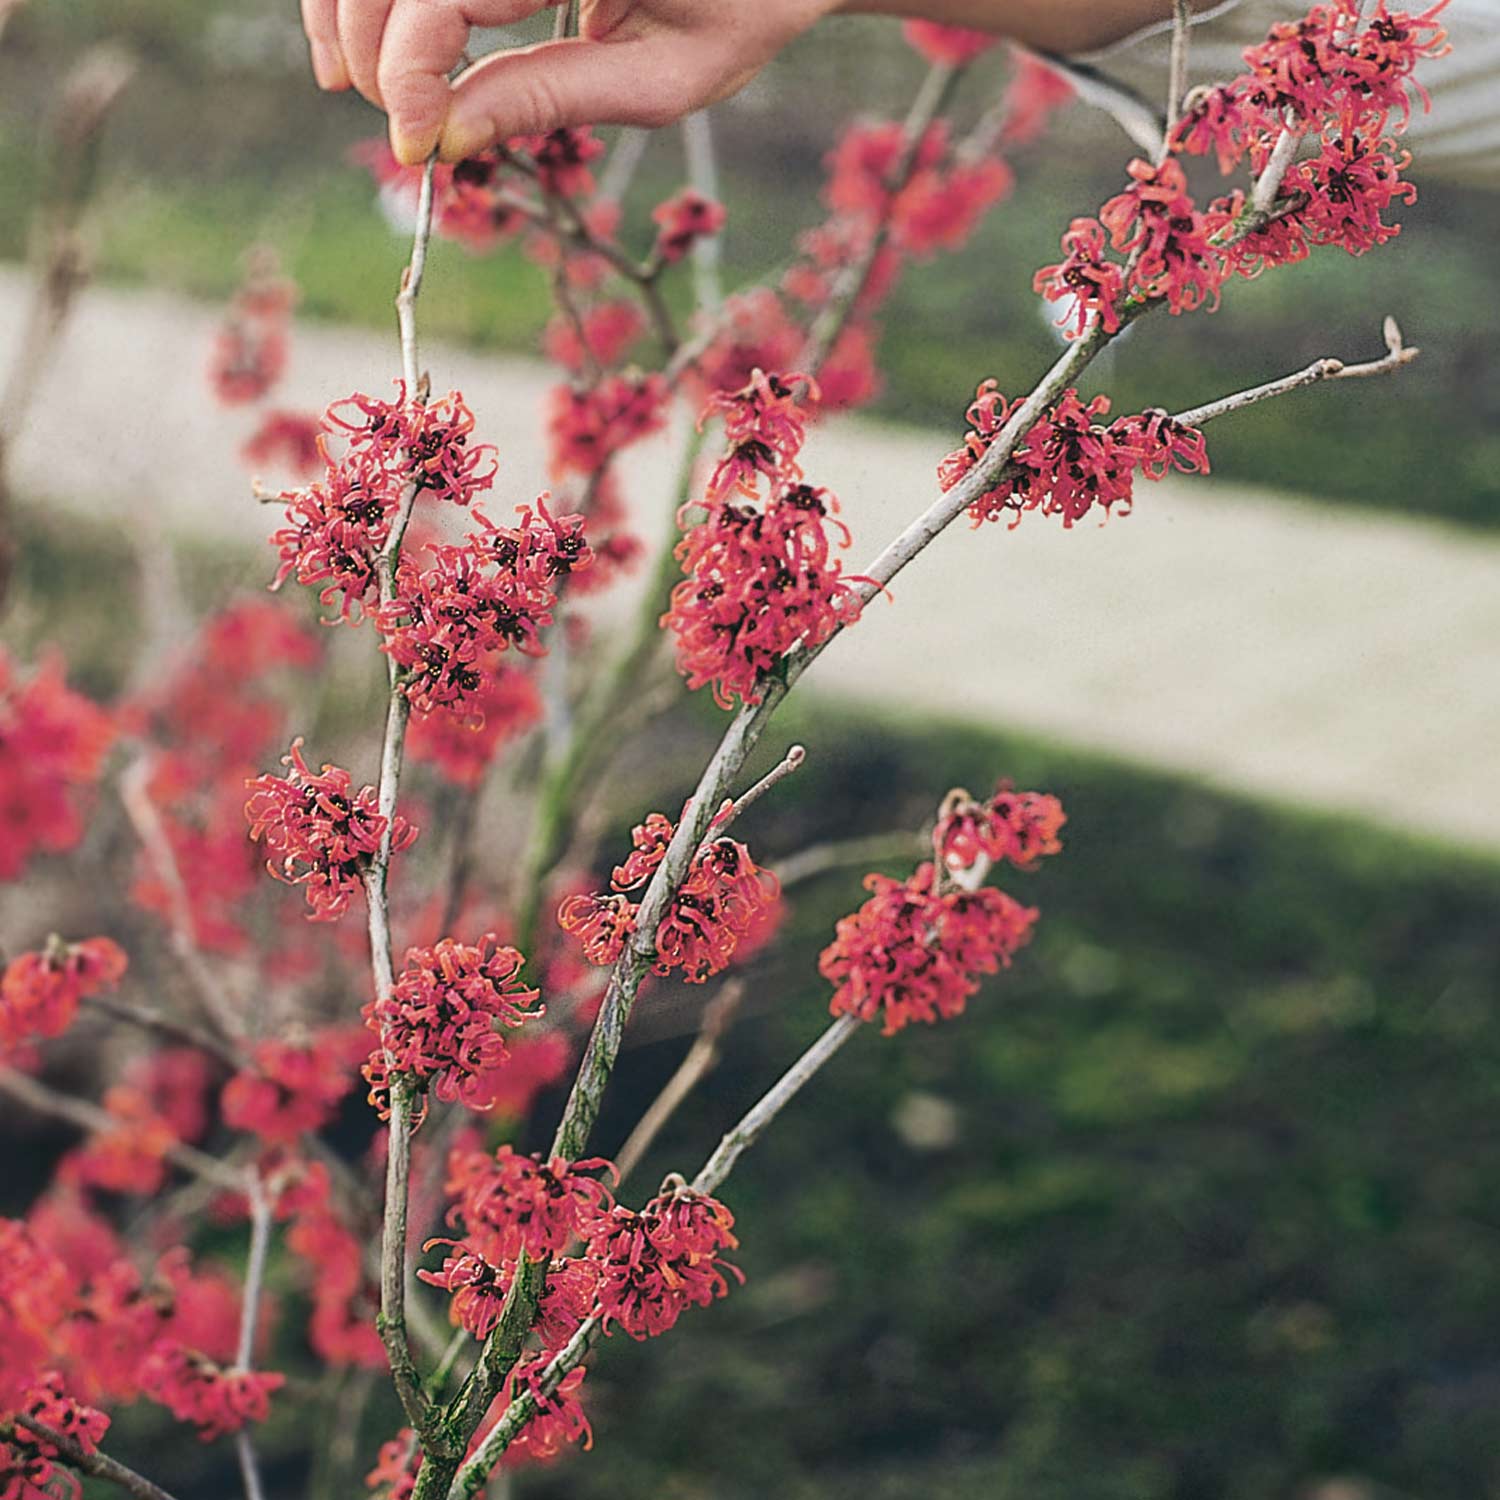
(699, 1062)
(1398, 354)
(711, 1175)
(93, 1120)
(392, 1317)
(95, 1465)
(1177, 70)
(703, 174)
(135, 795)
(932, 97)
(161, 1024)
(777, 774)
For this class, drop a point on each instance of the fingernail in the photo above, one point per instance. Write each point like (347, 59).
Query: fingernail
(328, 67)
(409, 148)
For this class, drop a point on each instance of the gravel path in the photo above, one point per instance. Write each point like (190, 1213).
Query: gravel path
(1349, 661)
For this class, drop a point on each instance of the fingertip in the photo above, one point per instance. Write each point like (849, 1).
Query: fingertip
(463, 138)
(412, 147)
(328, 67)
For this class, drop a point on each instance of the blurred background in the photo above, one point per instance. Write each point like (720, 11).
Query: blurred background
(1200, 1200)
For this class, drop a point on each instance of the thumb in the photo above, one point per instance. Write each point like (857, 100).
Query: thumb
(641, 80)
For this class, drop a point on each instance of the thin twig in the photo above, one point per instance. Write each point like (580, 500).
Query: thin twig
(933, 95)
(1268, 184)
(777, 774)
(161, 1024)
(93, 1120)
(820, 859)
(393, 1245)
(135, 796)
(699, 1062)
(95, 1465)
(1177, 70)
(1398, 354)
(711, 1175)
(703, 174)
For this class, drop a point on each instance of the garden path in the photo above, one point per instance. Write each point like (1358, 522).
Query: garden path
(1320, 655)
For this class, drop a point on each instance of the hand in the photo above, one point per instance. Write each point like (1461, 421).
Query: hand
(634, 62)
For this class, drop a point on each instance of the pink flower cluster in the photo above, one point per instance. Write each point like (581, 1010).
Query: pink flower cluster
(656, 1262)
(320, 832)
(81, 1327)
(760, 577)
(337, 527)
(53, 744)
(451, 619)
(195, 1389)
(719, 907)
(915, 950)
(39, 992)
(1067, 463)
(439, 1025)
(1336, 76)
(294, 1087)
(1016, 827)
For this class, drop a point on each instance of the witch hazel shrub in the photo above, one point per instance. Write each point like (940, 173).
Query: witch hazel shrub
(335, 1006)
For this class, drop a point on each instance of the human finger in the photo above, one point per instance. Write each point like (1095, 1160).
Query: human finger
(320, 22)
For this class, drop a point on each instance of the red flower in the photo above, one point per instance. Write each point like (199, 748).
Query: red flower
(1036, 90)
(754, 333)
(764, 429)
(426, 443)
(758, 582)
(1067, 463)
(479, 1289)
(507, 1205)
(1088, 284)
(559, 1419)
(911, 954)
(285, 440)
(195, 1389)
(1221, 119)
(940, 210)
(655, 1263)
(586, 428)
(1158, 442)
(39, 992)
(496, 591)
(862, 164)
(1019, 827)
(28, 1468)
(649, 841)
(725, 897)
(682, 221)
(609, 330)
(1349, 185)
(320, 833)
(129, 1155)
(602, 924)
(334, 533)
(1155, 222)
(293, 1087)
(439, 1025)
(53, 743)
(952, 45)
(462, 742)
(561, 158)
